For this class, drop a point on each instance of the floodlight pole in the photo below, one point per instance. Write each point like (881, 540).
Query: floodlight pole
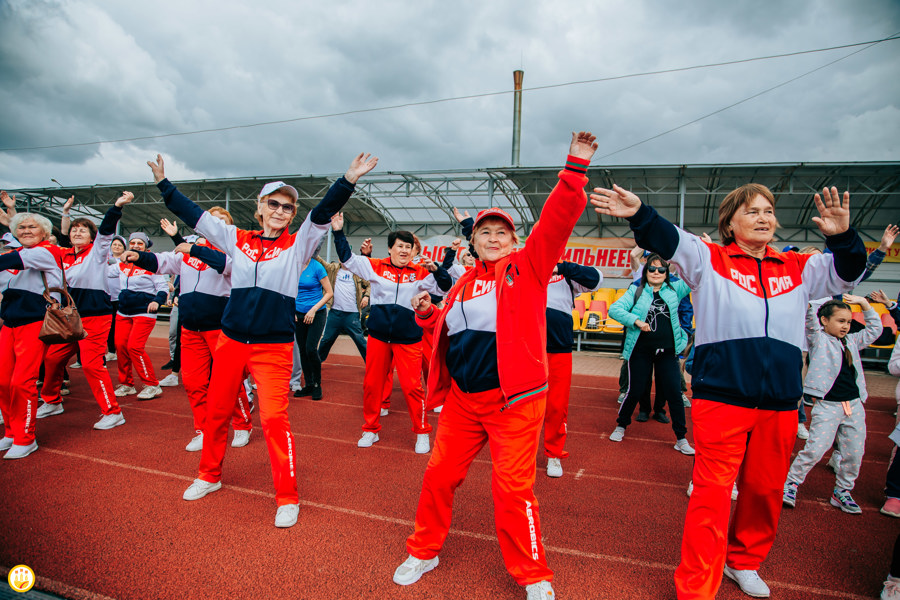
(517, 115)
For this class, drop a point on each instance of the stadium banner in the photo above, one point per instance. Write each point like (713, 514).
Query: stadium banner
(610, 255)
(891, 256)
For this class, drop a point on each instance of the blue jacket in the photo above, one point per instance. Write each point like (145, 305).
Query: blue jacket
(626, 312)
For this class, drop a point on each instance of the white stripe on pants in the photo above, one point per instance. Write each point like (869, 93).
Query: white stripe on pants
(827, 424)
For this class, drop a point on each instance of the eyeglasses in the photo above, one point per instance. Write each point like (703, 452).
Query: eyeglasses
(657, 269)
(286, 207)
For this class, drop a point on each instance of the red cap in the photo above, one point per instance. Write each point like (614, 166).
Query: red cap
(495, 212)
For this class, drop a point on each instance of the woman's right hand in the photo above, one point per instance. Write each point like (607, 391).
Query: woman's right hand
(337, 221)
(130, 256)
(642, 326)
(122, 200)
(168, 226)
(421, 302)
(617, 202)
(158, 168)
(184, 248)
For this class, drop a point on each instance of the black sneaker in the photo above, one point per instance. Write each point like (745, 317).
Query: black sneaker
(317, 392)
(661, 417)
(306, 391)
(642, 417)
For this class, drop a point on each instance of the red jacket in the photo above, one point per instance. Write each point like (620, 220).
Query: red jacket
(521, 289)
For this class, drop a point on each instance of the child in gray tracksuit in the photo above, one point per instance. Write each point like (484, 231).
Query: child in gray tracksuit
(835, 378)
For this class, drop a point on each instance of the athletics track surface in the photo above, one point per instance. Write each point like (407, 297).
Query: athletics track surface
(99, 514)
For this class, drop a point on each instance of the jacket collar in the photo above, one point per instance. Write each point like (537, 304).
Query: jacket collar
(733, 249)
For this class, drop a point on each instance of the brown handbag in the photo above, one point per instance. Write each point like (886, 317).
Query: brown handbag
(62, 324)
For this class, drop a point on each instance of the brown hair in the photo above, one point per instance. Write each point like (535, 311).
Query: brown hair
(222, 211)
(87, 224)
(736, 199)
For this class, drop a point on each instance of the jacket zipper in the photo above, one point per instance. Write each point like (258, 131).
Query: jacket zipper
(766, 327)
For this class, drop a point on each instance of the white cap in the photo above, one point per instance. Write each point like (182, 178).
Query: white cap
(276, 186)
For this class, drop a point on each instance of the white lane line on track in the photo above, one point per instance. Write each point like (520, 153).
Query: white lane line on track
(469, 534)
(579, 474)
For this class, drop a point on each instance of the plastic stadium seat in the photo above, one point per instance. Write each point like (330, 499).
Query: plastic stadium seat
(889, 335)
(605, 295)
(619, 294)
(613, 326)
(595, 317)
(859, 318)
(880, 308)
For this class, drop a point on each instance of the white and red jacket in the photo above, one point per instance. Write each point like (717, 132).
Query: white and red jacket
(86, 270)
(205, 283)
(571, 279)
(23, 295)
(391, 316)
(265, 272)
(749, 312)
(140, 287)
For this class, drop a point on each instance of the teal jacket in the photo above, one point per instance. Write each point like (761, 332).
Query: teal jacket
(626, 312)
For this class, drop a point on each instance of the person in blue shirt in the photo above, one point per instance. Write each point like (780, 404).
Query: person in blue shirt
(313, 293)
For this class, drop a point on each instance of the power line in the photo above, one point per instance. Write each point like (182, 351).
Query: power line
(747, 99)
(456, 98)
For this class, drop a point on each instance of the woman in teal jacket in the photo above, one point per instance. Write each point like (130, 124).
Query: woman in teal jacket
(653, 340)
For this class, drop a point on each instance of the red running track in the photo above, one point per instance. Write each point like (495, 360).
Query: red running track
(99, 514)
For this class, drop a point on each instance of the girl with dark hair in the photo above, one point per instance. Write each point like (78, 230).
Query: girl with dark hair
(835, 377)
(653, 340)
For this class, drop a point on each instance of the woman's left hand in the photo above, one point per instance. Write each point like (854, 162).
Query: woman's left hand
(421, 302)
(583, 145)
(309, 317)
(429, 264)
(184, 248)
(153, 307)
(124, 199)
(361, 165)
(834, 213)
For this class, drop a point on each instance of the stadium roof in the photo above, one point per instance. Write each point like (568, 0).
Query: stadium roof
(422, 201)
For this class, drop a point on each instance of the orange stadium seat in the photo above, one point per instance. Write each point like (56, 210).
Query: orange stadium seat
(595, 317)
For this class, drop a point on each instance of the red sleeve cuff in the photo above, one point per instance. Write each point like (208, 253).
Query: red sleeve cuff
(578, 165)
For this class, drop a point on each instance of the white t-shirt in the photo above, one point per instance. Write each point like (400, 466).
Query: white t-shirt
(344, 292)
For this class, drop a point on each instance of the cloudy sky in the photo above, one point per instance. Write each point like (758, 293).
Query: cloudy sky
(75, 71)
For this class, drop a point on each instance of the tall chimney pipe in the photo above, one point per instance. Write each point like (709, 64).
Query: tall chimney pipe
(517, 115)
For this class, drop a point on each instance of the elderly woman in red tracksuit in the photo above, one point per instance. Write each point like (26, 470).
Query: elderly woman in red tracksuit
(22, 312)
(489, 370)
(86, 265)
(205, 281)
(750, 311)
(140, 296)
(258, 323)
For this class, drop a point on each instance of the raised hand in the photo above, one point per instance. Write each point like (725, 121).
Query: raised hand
(705, 237)
(337, 221)
(637, 252)
(455, 244)
(184, 248)
(834, 213)
(158, 168)
(362, 164)
(880, 297)
(366, 248)
(8, 201)
(67, 206)
(168, 226)
(421, 302)
(429, 264)
(124, 199)
(583, 145)
(460, 217)
(887, 240)
(617, 202)
(130, 256)
(851, 299)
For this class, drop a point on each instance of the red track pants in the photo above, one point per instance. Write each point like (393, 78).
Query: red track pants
(728, 439)
(556, 419)
(197, 354)
(131, 338)
(270, 365)
(21, 354)
(468, 421)
(408, 360)
(92, 348)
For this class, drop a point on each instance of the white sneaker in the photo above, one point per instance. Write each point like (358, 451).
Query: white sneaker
(685, 400)
(622, 397)
(286, 515)
(16, 451)
(684, 447)
(734, 492)
(802, 432)
(75, 365)
(542, 590)
(151, 391)
(617, 435)
(834, 463)
(110, 356)
(124, 390)
(438, 409)
(64, 390)
(384, 412)
(241, 438)
(200, 488)
(48, 410)
(110, 421)
(423, 444)
(690, 489)
(368, 438)
(170, 380)
(554, 467)
(196, 443)
(891, 589)
(412, 569)
(749, 582)
(5, 444)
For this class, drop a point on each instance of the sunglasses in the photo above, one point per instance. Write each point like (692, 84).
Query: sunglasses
(286, 207)
(657, 269)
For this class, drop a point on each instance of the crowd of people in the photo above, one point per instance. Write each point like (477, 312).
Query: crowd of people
(484, 337)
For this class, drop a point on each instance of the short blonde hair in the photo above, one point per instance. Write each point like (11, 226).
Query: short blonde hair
(42, 222)
(222, 211)
(736, 199)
